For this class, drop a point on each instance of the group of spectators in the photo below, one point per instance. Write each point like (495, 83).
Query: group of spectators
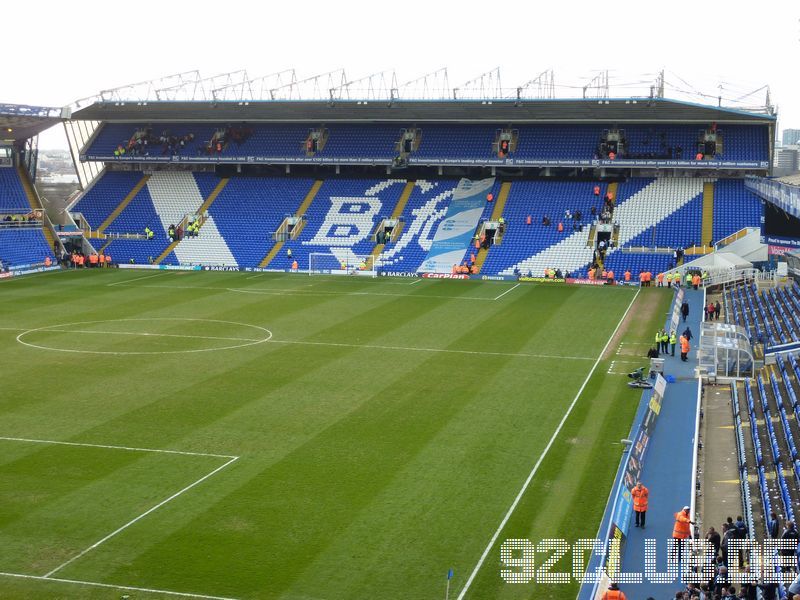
(712, 311)
(719, 588)
(144, 141)
(79, 260)
(20, 219)
(570, 216)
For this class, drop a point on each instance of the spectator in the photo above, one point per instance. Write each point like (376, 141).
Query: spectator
(741, 528)
(717, 310)
(713, 538)
(790, 533)
(773, 525)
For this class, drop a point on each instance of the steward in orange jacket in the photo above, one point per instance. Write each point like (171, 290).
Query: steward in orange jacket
(682, 529)
(613, 593)
(640, 496)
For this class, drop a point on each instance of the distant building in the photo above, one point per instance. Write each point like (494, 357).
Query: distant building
(787, 160)
(790, 137)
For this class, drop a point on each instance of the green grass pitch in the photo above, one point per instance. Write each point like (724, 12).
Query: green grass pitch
(328, 437)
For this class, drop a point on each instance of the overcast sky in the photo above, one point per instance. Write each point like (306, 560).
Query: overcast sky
(58, 52)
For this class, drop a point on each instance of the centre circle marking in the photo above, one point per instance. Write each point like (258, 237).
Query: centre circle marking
(55, 329)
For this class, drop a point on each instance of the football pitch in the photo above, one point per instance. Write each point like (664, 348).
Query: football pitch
(231, 435)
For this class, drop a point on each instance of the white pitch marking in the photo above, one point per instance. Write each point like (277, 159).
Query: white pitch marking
(173, 335)
(415, 282)
(508, 290)
(116, 587)
(445, 350)
(298, 292)
(327, 293)
(112, 447)
(541, 458)
(137, 519)
(12, 329)
(134, 279)
(49, 328)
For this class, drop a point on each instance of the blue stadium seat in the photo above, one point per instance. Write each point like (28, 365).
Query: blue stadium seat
(12, 194)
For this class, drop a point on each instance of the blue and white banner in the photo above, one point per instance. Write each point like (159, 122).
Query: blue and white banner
(782, 195)
(455, 232)
(619, 163)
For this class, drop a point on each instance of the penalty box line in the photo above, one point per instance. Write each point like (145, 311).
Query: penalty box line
(230, 459)
(114, 586)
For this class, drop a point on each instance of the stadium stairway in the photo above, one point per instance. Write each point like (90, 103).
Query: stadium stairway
(213, 196)
(613, 189)
(200, 211)
(166, 252)
(35, 204)
(497, 212)
(398, 210)
(312, 193)
(708, 213)
(125, 201)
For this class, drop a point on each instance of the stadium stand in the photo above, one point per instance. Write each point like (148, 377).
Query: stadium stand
(453, 141)
(21, 246)
(425, 208)
(355, 142)
(439, 142)
(247, 212)
(12, 194)
(661, 213)
(342, 218)
(770, 316)
(522, 242)
(734, 208)
(137, 215)
(100, 200)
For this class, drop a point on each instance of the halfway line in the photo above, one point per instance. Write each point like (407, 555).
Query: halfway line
(445, 350)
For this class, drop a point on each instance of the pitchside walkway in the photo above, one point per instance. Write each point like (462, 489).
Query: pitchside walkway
(668, 464)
